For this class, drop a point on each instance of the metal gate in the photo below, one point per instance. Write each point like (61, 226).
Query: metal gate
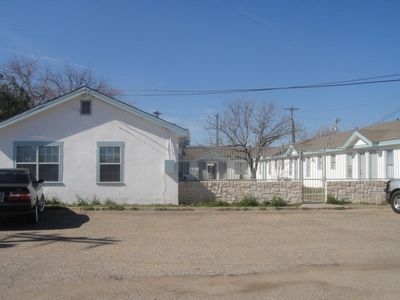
(313, 191)
(312, 176)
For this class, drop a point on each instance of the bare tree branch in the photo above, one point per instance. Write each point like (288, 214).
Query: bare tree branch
(253, 127)
(42, 84)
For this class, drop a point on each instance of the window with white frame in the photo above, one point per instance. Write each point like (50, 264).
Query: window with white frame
(333, 162)
(110, 162)
(43, 159)
(349, 169)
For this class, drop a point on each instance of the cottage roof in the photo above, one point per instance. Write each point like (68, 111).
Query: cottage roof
(374, 134)
(382, 132)
(220, 152)
(83, 91)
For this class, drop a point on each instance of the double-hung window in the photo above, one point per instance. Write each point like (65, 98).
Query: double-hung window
(110, 157)
(43, 159)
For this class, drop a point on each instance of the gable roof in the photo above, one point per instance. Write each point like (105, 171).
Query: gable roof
(382, 132)
(85, 91)
(372, 135)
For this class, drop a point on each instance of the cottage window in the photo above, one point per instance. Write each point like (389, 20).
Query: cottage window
(350, 165)
(183, 169)
(86, 107)
(319, 162)
(308, 167)
(42, 159)
(240, 168)
(389, 164)
(110, 162)
(270, 167)
(333, 162)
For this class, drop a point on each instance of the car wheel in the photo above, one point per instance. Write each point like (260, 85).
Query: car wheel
(34, 216)
(41, 204)
(395, 202)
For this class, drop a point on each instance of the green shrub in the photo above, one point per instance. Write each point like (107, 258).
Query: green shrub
(278, 202)
(248, 201)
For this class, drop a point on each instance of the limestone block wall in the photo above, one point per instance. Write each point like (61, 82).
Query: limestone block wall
(357, 191)
(235, 190)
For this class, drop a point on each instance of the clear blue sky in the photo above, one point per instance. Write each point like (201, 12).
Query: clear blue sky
(202, 45)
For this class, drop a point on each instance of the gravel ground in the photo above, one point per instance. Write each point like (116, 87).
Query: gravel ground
(209, 254)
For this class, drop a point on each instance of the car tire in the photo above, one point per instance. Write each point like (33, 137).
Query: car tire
(41, 204)
(395, 202)
(34, 216)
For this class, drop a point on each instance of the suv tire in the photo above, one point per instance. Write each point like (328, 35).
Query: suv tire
(395, 202)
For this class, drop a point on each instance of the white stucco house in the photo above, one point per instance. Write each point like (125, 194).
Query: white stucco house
(86, 144)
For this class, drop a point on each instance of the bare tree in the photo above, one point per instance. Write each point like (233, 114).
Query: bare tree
(69, 79)
(42, 83)
(254, 127)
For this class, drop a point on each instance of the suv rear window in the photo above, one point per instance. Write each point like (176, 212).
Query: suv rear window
(13, 178)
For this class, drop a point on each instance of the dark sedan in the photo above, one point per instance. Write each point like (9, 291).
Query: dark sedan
(21, 193)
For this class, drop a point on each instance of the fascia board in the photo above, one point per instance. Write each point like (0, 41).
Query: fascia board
(179, 131)
(354, 136)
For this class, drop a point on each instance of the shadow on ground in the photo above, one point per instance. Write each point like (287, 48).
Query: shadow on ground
(60, 218)
(18, 231)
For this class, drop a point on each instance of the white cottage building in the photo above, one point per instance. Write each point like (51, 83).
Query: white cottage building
(368, 153)
(88, 145)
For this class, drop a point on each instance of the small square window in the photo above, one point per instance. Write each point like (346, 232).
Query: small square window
(86, 107)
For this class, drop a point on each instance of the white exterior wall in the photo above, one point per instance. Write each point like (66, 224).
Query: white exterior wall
(274, 169)
(396, 154)
(146, 147)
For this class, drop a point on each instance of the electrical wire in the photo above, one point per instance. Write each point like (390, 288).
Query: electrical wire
(351, 82)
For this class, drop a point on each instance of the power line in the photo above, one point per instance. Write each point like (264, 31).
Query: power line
(351, 82)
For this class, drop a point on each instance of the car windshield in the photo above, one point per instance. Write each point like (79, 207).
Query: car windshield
(12, 177)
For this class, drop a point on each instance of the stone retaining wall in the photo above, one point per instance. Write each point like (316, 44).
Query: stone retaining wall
(357, 191)
(235, 190)
(290, 191)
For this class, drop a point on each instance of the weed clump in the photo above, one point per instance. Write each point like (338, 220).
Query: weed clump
(248, 201)
(278, 202)
(333, 200)
(111, 205)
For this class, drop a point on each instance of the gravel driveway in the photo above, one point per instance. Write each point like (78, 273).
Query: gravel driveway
(288, 254)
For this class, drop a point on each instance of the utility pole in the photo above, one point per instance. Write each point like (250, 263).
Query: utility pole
(292, 109)
(217, 121)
